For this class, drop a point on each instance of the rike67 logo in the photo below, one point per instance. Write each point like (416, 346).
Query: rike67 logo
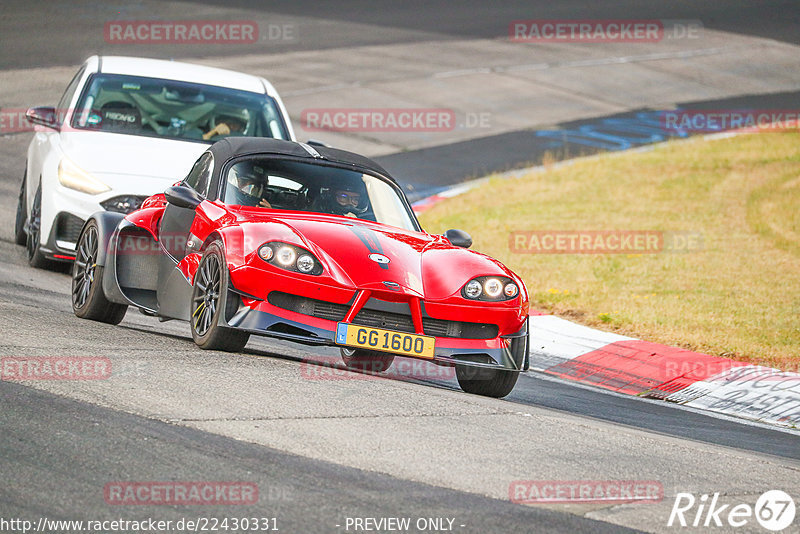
(774, 510)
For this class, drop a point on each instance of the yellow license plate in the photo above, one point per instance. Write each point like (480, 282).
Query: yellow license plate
(354, 335)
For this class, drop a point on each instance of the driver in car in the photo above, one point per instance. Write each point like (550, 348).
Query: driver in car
(226, 125)
(247, 191)
(349, 200)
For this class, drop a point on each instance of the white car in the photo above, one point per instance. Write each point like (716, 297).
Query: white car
(127, 128)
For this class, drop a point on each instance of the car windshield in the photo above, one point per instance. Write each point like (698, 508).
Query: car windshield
(290, 185)
(176, 110)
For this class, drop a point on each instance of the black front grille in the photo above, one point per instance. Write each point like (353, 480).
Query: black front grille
(460, 329)
(68, 227)
(139, 268)
(387, 320)
(306, 306)
(382, 319)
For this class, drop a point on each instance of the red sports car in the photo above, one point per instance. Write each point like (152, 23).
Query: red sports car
(309, 244)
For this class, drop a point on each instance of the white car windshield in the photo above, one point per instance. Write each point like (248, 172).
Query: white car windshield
(153, 107)
(271, 183)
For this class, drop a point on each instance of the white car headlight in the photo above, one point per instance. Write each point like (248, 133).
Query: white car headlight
(493, 287)
(266, 253)
(490, 289)
(511, 290)
(73, 177)
(305, 263)
(286, 256)
(290, 257)
(473, 289)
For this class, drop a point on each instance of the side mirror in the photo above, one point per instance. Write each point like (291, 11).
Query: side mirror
(43, 115)
(459, 238)
(314, 142)
(183, 197)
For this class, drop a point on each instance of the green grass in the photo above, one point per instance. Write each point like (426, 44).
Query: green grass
(739, 296)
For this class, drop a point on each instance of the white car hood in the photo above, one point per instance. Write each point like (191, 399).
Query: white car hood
(125, 157)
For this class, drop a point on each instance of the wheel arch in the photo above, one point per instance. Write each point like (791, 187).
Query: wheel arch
(233, 241)
(213, 236)
(107, 223)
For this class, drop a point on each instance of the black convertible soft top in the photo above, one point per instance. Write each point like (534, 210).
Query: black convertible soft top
(238, 146)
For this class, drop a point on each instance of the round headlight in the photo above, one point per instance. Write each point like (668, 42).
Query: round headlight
(473, 289)
(286, 256)
(305, 263)
(511, 290)
(493, 287)
(265, 253)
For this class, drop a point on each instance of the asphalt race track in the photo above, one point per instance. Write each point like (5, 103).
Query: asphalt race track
(323, 444)
(30, 29)
(295, 491)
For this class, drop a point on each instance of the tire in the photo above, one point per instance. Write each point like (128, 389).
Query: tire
(88, 299)
(210, 284)
(495, 383)
(33, 238)
(367, 360)
(20, 237)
